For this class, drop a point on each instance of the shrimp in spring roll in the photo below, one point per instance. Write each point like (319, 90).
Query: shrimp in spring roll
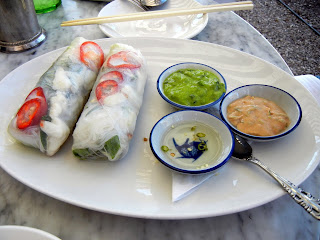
(108, 120)
(51, 109)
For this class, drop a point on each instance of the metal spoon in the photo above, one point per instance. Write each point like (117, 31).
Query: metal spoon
(152, 3)
(243, 151)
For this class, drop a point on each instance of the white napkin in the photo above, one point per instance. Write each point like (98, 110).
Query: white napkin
(185, 184)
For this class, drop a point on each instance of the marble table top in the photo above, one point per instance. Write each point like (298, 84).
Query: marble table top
(21, 205)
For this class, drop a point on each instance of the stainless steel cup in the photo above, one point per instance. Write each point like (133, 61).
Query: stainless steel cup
(19, 27)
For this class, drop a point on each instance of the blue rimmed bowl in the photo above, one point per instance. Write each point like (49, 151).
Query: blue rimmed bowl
(189, 65)
(282, 98)
(176, 132)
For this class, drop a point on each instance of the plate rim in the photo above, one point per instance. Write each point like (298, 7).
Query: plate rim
(158, 216)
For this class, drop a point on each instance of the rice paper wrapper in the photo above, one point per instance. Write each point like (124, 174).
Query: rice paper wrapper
(66, 86)
(108, 120)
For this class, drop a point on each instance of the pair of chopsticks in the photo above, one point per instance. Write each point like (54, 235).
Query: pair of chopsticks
(234, 6)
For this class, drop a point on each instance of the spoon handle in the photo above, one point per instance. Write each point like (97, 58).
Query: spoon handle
(305, 199)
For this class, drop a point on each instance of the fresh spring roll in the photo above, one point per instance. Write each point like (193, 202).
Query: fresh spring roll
(52, 108)
(108, 120)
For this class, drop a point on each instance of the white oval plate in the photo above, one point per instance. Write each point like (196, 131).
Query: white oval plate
(173, 27)
(138, 185)
(26, 233)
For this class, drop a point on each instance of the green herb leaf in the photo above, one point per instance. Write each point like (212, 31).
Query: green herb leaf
(112, 146)
(46, 118)
(43, 139)
(82, 153)
(43, 135)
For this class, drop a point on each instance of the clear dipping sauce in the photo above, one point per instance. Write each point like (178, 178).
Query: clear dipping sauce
(257, 116)
(192, 146)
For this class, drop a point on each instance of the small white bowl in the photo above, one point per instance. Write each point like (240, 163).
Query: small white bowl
(219, 140)
(283, 99)
(189, 65)
(9, 232)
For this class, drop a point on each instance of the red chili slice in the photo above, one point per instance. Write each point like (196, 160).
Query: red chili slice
(106, 88)
(91, 55)
(122, 59)
(30, 113)
(37, 92)
(113, 75)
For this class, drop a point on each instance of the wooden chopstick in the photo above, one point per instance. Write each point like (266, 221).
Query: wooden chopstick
(139, 13)
(234, 6)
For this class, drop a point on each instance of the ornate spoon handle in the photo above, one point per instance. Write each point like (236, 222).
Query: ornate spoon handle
(305, 199)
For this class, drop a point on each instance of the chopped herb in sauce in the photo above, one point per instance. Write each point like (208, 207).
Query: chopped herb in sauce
(164, 148)
(201, 135)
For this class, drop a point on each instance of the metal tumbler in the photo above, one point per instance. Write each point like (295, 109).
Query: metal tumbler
(19, 27)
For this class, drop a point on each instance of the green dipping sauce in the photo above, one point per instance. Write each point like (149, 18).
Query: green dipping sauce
(193, 87)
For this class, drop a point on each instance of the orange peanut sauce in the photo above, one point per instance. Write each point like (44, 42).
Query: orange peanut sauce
(257, 116)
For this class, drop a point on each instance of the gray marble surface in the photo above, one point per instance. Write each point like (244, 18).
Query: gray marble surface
(21, 205)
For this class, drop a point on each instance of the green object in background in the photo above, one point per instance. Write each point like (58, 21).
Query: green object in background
(45, 6)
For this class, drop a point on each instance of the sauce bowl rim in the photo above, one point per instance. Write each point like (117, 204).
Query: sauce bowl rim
(261, 138)
(200, 107)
